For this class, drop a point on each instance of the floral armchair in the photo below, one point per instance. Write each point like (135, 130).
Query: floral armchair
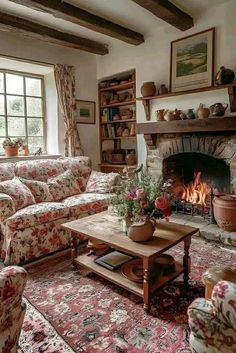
(12, 307)
(213, 322)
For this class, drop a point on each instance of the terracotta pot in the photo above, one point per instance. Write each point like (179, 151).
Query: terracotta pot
(142, 231)
(11, 151)
(225, 212)
(148, 89)
(203, 113)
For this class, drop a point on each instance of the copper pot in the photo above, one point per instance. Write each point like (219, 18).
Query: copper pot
(225, 212)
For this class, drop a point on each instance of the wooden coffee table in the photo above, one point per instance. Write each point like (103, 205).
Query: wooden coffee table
(107, 229)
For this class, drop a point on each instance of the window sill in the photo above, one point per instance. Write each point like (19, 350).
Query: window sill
(4, 159)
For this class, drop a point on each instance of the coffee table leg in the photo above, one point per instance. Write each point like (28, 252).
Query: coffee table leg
(74, 250)
(146, 284)
(186, 261)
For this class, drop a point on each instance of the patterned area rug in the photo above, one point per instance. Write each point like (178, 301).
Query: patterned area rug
(69, 312)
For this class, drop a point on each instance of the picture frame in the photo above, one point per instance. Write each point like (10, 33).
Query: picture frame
(85, 112)
(192, 61)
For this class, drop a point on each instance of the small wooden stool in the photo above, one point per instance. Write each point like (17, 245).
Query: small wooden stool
(215, 274)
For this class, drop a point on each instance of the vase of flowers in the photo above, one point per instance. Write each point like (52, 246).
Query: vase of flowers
(138, 200)
(11, 147)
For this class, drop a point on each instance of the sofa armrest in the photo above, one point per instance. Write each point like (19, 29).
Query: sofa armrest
(12, 284)
(7, 207)
(224, 302)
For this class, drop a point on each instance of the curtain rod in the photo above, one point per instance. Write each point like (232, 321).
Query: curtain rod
(27, 60)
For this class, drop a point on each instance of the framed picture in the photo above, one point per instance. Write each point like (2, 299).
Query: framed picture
(85, 112)
(192, 61)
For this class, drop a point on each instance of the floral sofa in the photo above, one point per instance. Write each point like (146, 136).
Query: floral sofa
(12, 307)
(213, 322)
(31, 215)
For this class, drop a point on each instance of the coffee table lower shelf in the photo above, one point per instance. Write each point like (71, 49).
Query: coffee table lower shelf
(117, 277)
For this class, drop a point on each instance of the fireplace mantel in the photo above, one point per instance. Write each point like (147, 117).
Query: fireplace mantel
(188, 126)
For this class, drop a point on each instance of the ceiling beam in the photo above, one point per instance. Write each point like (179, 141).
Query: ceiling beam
(20, 25)
(71, 13)
(168, 12)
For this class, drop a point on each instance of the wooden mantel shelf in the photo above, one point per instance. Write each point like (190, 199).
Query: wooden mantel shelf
(231, 88)
(186, 126)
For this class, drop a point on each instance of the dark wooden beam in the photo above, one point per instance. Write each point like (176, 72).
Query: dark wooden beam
(168, 12)
(71, 13)
(48, 34)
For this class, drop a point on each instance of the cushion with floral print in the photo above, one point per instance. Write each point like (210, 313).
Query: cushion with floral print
(101, 182)
(19, 192)
(39, 189)
(64, 185)
(6, 171)
(38, 169)
(80, 166)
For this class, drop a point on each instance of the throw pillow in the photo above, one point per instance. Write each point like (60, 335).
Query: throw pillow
(39, 189)
(20, 194)
(64, 185)
(101, 182)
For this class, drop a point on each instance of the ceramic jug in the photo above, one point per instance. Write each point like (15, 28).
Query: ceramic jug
(190, 114)
(218, 109)
(142, 231)
(160, 114)
(168, 115)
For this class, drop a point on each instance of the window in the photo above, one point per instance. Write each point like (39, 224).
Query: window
(22, 109)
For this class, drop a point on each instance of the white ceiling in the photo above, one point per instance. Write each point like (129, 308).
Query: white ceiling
(123, 12)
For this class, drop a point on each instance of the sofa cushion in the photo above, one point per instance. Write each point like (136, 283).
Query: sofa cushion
(37, 214)
(101, 182)
(80, 166)
(20, 194)
(38, 169)
(64, 185)
(6, 171)
(39, 189)
(86, 203)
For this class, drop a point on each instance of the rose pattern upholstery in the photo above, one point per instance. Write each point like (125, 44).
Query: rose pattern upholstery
(35, 231)
(20, 194)
(101, 182)
(213, 322)
(12, 307)
(6, 171)
(65, 184)
(39, 189)
(80, 166)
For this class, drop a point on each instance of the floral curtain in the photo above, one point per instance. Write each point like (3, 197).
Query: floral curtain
(65, 83)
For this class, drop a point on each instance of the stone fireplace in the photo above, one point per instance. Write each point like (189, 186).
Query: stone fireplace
(181, 155)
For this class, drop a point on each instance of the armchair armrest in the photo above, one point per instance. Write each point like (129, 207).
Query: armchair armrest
(224, 302)
(7, 207)
(12, 284)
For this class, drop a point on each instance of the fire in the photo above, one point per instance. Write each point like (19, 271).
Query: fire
(196, 192)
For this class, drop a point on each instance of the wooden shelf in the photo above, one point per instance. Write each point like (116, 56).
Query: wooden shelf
(118, 138)
(117, 277)
(185, 126)
(119, 87)
(118, 121)
(104, 164)
(119, 104)
(231, 92)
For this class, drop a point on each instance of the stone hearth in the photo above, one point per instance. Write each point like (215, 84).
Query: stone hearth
(162, 146)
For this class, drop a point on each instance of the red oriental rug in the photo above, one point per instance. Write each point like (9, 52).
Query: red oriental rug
(68, 312)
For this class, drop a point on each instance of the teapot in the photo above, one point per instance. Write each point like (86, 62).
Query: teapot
(160, 114)
(218, 109)
(169, 115)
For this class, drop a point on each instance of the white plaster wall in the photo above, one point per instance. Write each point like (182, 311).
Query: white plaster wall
(86, 84)
(152, 60)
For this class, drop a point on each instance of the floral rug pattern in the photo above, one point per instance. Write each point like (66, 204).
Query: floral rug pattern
(69, 311)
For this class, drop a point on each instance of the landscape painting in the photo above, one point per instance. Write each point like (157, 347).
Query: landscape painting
(85, 112)
(192, 61)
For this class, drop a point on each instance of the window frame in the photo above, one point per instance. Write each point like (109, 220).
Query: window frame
(24, 96)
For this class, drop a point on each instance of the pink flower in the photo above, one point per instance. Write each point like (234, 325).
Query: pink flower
(144, 204)
(140, 194)
(129, 196)
(161, 203)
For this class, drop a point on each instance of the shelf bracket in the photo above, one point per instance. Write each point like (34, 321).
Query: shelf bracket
(232, 98)
(146, 105)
